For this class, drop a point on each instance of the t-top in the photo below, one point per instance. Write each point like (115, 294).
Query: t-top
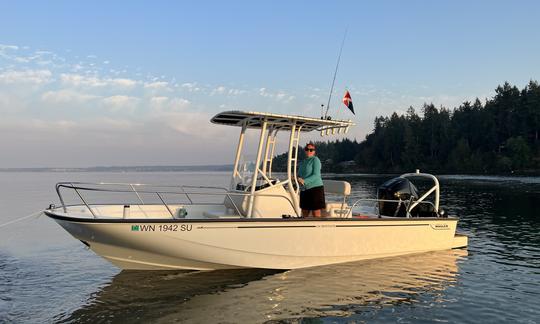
(310, 170)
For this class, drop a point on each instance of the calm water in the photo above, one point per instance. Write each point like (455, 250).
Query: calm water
(47, 276)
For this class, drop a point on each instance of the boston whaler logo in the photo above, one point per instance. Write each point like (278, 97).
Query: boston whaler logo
(440, 226)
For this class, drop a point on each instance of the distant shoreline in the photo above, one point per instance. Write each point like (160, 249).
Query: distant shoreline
(167, 168)
(228, 168)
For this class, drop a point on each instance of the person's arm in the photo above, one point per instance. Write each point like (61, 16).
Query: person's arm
(315, 173)
(300, 173)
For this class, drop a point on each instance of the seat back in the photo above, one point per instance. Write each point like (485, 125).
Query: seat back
(337, 187)
(333, 208)
(269, 202)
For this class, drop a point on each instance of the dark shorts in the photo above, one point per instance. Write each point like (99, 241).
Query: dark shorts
(312, 199)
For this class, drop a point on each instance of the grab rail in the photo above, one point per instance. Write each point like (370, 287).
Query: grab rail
(409, 205)
(84, 186)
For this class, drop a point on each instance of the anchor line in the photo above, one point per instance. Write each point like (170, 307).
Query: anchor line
(20, 219)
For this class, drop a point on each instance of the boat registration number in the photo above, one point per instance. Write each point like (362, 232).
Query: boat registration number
(162, 228)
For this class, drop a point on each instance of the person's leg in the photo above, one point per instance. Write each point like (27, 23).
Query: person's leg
(305, 213)
(316, 213)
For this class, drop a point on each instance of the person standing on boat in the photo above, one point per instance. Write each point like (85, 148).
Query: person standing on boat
(311, 191)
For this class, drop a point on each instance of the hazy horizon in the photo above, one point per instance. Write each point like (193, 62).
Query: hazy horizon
(201, 166)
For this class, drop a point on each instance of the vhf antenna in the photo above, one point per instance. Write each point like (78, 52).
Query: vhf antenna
(335, 73)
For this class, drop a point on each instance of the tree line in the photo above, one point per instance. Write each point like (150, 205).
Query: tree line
(498, 136)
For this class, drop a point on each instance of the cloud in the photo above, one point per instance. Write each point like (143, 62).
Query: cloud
(218, 90)
(236, 92)
(43, 52)
(191, 123)
(223, 90)
(7, 50)
(121, 102)
(165, 105)
(22, 56)
(109, 95)
(281, 96)
(122, 82)
(67, 96)
(77, 80)
(158, 100)
(278, 96)
(26, 76)
(156, 85)
(8, 47)
(179, 103)
(191, 86)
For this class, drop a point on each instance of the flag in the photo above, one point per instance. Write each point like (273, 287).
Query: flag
(347, 101)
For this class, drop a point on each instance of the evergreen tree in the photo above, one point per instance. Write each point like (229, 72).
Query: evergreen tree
(501, 135)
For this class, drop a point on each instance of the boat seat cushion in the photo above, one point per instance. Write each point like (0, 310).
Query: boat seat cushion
(337, 187)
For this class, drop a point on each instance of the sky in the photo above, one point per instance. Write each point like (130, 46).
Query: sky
(118, 83)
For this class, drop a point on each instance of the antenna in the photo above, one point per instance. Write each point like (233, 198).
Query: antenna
(335, 73)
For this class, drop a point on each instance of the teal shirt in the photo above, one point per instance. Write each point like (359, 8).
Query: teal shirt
(310, 171)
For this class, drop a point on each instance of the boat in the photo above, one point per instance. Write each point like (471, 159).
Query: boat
(256, 222)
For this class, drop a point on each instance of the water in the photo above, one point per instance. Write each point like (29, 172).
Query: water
(47, 276)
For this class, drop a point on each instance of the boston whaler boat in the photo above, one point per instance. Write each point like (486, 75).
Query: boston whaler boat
(255, 223)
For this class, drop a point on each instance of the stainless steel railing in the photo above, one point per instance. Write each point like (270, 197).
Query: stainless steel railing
(78, 187)
(408, 203)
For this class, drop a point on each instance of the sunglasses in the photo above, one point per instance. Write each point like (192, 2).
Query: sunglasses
(309, 149)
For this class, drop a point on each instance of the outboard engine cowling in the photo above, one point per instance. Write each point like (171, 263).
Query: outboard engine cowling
(399, 189)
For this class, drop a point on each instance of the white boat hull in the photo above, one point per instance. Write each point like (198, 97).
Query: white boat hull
(271, 243)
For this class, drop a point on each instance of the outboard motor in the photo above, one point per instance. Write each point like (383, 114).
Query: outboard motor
(399, 189)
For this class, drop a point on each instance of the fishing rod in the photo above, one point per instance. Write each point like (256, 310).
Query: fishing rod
(335, 74)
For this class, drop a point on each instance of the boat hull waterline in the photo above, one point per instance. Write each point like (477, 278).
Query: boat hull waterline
(271, 243)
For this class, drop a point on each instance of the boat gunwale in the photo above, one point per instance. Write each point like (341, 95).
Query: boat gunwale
(53, 215)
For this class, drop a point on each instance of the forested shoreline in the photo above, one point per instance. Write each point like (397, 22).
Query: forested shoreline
(499, 136)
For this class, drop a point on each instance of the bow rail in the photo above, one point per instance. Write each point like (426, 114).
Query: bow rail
(139, 189)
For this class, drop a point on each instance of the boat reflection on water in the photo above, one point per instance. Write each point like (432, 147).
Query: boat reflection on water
(251, 295)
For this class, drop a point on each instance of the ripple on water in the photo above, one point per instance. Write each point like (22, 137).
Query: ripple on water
(345, 290)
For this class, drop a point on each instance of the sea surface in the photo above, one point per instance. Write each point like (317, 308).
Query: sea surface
(46, 276)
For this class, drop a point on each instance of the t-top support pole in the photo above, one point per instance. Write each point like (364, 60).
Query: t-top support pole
(268, 151)
(237, 158)
(256, 171)
(291, 167)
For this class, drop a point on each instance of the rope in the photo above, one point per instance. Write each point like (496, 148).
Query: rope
(20, 219)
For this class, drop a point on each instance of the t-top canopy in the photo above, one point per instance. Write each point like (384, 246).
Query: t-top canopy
(281, 122)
